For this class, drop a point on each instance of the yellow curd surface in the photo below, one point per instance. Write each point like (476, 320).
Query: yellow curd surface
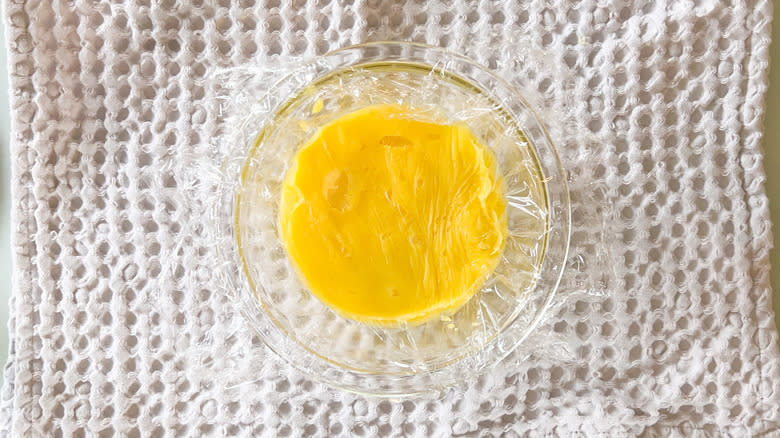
(392, 218)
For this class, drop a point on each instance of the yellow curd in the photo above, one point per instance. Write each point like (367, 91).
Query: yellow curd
(392, 218)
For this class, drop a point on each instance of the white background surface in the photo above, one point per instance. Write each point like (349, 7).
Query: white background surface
(5, 207)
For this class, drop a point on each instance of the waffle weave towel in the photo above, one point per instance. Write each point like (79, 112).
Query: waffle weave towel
(112, 293)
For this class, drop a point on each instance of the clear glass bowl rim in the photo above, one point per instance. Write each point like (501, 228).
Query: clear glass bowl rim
(404, 385)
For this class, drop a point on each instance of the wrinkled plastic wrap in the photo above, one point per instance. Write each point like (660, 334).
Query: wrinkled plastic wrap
(269, 113)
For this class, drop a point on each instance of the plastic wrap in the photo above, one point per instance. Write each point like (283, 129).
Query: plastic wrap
(270, 113)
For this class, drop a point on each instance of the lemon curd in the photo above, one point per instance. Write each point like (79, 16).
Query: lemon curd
(391, 217)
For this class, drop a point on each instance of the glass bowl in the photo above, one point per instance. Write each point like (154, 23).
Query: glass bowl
(403, 359)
